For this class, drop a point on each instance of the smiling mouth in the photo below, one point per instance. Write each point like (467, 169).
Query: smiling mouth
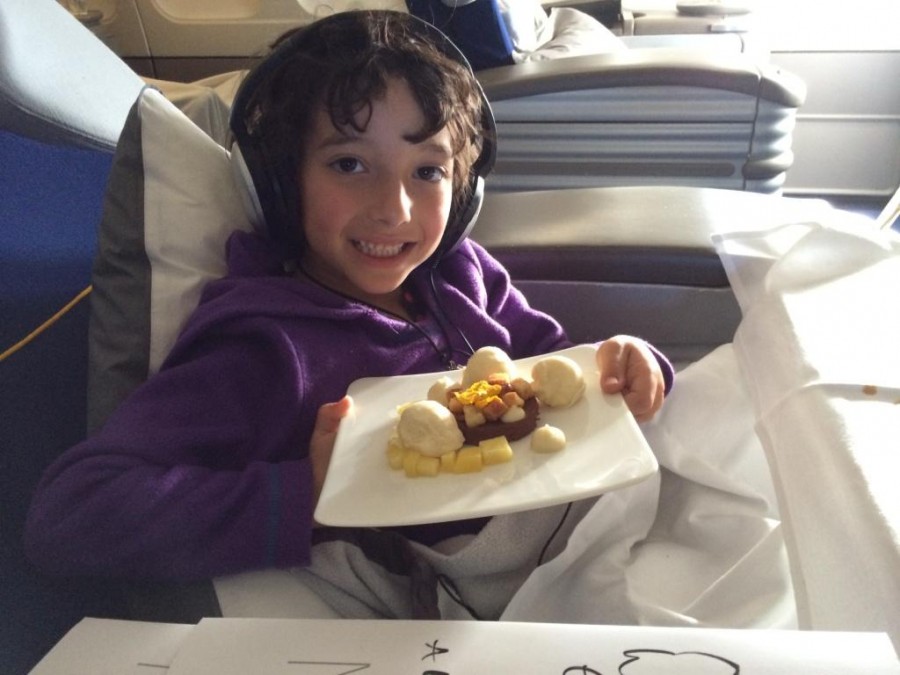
(379, 250)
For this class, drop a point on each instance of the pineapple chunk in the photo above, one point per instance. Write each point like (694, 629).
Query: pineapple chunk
(428, 466)
(411, 463)
(395, 453)
(448, 462)
(468, 459)
(495, 450)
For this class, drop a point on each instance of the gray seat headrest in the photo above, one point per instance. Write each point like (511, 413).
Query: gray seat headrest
(59, 83)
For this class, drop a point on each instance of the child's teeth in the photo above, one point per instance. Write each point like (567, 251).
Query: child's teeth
(379, 250)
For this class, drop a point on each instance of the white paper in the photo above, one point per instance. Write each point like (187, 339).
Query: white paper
(341, 647)
(108, 647)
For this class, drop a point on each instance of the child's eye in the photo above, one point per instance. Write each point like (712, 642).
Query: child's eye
(347, 165)
(432, 174)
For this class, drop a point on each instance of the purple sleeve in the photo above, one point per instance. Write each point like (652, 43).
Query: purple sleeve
(531, 332)
(187, 480)
(476, 278)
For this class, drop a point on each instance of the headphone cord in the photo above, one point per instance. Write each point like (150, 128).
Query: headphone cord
(453, 593)
(553, 534)
(443, 320)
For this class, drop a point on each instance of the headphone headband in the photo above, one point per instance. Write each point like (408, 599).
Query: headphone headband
(273, 199)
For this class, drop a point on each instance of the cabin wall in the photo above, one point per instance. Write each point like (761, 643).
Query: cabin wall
(847, 140)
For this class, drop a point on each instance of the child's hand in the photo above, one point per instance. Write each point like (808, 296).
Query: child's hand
(321, 443)
(627, 366)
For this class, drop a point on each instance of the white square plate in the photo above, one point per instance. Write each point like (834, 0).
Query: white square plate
(605, 450)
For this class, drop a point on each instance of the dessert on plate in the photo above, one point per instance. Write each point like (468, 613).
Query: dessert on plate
(462, 427)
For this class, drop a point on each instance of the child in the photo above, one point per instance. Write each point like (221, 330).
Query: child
(367, 138)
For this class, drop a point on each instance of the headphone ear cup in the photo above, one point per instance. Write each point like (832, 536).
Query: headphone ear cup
(243, 182)
(464, 219)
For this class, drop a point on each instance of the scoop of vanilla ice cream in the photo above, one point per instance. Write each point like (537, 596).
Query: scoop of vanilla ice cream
(439, 390)
(429, 428)
(558, 381)
(485, 362)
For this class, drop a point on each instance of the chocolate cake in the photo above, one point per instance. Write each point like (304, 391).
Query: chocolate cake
(512, 430)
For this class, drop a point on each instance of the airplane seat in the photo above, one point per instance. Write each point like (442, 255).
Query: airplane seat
(64, 97)
(576, 106)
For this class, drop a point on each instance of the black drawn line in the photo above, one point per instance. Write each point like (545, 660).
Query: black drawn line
(634, 654)
(152, 665)
(584, 670)
(435, 650)
(356, 667)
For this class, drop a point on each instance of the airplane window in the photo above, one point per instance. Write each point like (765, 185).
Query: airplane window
(210, 9)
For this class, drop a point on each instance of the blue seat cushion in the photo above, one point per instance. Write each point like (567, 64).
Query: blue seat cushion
(50, 203)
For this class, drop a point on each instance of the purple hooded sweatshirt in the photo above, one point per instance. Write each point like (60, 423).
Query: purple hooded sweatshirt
(202, 471)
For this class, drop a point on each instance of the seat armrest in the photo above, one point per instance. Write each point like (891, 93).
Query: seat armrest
(741, 73)
(641, 235)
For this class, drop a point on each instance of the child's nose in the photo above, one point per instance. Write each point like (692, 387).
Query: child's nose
(391, 201)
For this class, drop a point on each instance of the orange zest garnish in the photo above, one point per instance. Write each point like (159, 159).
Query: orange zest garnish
(480, 394)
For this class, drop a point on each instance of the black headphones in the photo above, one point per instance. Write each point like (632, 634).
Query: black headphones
(272, 195)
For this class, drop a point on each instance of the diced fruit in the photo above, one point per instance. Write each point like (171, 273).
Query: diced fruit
(523, 388)
(494, 409)
(513, 400)
(395, 454)
(495, 450)
(448, 461)
(428, 466)
(410, 463)
(514, 414)
(468, 459)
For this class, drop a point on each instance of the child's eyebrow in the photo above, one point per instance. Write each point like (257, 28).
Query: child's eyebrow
(339, 139)
(432, 146)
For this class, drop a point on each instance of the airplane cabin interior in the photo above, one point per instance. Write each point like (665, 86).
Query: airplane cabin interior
(719, 177)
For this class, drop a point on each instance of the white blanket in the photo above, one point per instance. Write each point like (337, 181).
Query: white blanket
(819, 347)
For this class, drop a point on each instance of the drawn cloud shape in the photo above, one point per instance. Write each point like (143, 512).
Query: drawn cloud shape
(654, 661)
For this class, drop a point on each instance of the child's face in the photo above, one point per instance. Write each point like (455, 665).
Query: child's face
(375, 204)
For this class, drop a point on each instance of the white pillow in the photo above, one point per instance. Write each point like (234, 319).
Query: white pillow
(570, 32)
(171, 204)
(525, 22)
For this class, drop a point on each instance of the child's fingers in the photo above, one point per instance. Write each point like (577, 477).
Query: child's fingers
(628, 367)
(612, 364)
(645, 398)
(330, 415)
(328, 419)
